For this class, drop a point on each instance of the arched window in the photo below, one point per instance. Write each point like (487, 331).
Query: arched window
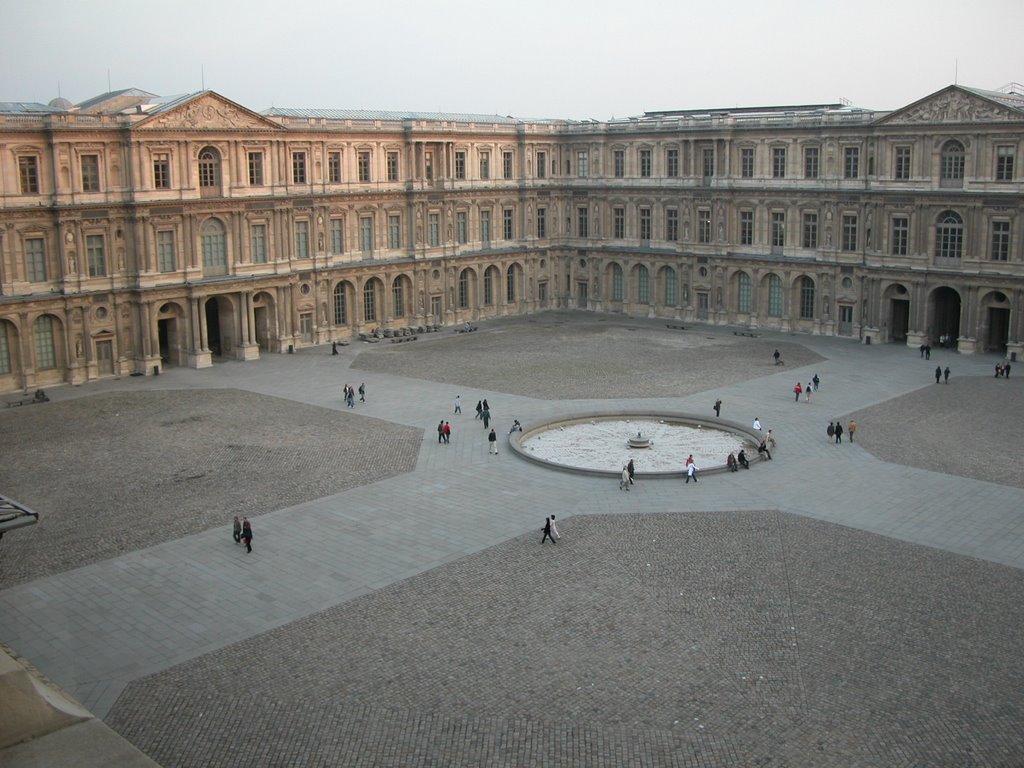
(616, 282)
(774, 296)
(398, 297)
(510, 284)
(209, 171)
(46, 350)
(670, 287)
(806, 298)
(949, 235)
(464, 289)
(5, 348)
(489, 276)
(643, 285)
(215, 252)
(743, 292)
(951, 171)
(370, 301)
(340, 305)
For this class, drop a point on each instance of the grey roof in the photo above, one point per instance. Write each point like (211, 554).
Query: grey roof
(97, 100)
(1007, 98)
(26, 108)
(374, 114)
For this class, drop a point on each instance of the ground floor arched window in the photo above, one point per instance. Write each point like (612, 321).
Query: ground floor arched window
(46, 350)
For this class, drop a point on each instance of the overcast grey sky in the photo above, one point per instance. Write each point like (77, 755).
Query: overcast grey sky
(527, 58)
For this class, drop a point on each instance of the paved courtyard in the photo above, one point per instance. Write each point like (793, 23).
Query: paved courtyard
(841, 605)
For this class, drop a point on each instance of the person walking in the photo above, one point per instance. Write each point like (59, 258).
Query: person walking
(839, 432)
(816, 381)
(831, 431)
(447, 433)
(757, 424)
(247, 534)
(1006, 369)
(362, 392)
(776, 355)
(458, 404)
(945, 374)
(807, 393)
(237, 532)
(632, 471)
(555, 535)
(492, 443)
(927, 351)
(691, 472)
(770, 439)
(851, 428)
(479, 408)
(547, 531)
(718, 409)
(763, 448)
(624, 478)
(797, 390)
(938, 373)
(440, 431)
(485, 414)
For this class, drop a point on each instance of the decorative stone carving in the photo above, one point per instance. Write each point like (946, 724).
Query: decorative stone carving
(209, 112)
(953, 107)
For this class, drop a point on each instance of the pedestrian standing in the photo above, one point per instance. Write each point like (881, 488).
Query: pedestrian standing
(938, 373)
(492, 442)
(797, 390)
(624, 478)
(691, 472)
(718, 409)
(776, 355)
(440, 431)
(458, 403)
(945, 373)
(816, 381)
(927, 351)
(1006, 370)
(851, 428)
(479, 408)
(237, 533)
(831, 431)
(757, 424)
(632, 470)
(447, 433)
(547, 532)
(362, 392)
(247, 535)
(334, 347)
(839, 432)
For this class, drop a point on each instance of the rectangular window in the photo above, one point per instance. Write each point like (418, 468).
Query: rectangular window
(900, 235)
(746, 227)
(901, 172)
(849, 236)
(161, 171)
(28, 173)
(582, 222)
(337, 236)
(645, 163)
(704, 225)
(35, 260)
(165, 256)
(778, 229)
(485, 165)
(255, 169)
(334, 167)
(366, 234)
(747, 162)
(645, 223)
(461, 227)
(258, 241)
(391, 160)
(485, 226)
(619, 223)
(542, 165)
(810, 227)
(672, 163)
(542, 223)
(95, 255)
(363, 165)
(811, 155)
(460, 164)
(671, 225)
(90, 173)
(298, 167)
(507, 224)
(851, 162)
(1004, 162)
(394, 232)
(619, 161)
(778, 162)
(1000, 241)
(5, 351)
(709, 162)
(302, 239)
(428, 166)
(434, 229)
(582, 163)
(506, 165)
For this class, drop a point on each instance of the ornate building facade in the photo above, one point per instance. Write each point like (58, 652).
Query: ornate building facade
(138, 232)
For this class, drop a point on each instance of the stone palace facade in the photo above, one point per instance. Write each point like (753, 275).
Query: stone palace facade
(138, 232)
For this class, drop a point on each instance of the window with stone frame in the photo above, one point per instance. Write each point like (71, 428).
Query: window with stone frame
(161, 170)
(778, 229)
(619, 163)
(460, 164)
(336, 234)
(704, 225)
(848, 236)
(35, 259)
(645, 163)
(671, 225)
(778, 162)
(811, 162)
(806, 298)
(1000, 242)
(166, 256)
(394, 231)
(28, 174)
(299, 175)
(506, 165)
(902, 157)
(370, 301)
(747, 162)
(645, 223)
(363, 166)
(616, 283)
(254, 161)
(391, 162)
(258, 243)
(899, 240)
(810, 229)
(1005, 156)
(743, 290)
(618, 222)
(746, 227)
(851, 162)
(334, 167)
(95, 254)
(672, 162)
(949, 235)
(398, 297)
(90, 165)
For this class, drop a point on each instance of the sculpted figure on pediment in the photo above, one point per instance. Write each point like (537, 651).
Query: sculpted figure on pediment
(207, 113)
(952, 108)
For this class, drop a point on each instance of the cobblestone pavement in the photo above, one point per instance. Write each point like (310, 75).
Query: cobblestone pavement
(117, 472)
(409, 617)
(748, 638)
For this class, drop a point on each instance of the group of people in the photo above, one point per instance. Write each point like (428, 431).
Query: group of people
(737, 460)
(1003, 369)
(550, 531)
(812, 386)
(626, 479)
(835, 431)
(939, 374)
(926, 351)
(350, 395)
(444, 432)
(242, 532)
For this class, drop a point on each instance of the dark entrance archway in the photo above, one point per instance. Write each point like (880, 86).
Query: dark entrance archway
(899, 312)
(995, 307)
(945, 316)
(213, 340)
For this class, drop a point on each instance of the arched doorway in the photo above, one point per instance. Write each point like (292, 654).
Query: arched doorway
(899, 311)
(945, 315)
(995, 313)
(263, 319)
(220, 326)
(169, 335)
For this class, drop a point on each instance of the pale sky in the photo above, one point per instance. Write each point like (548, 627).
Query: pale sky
(579, 59)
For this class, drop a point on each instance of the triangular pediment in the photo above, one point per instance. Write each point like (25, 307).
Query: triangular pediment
(953, 104)
(207, 111)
